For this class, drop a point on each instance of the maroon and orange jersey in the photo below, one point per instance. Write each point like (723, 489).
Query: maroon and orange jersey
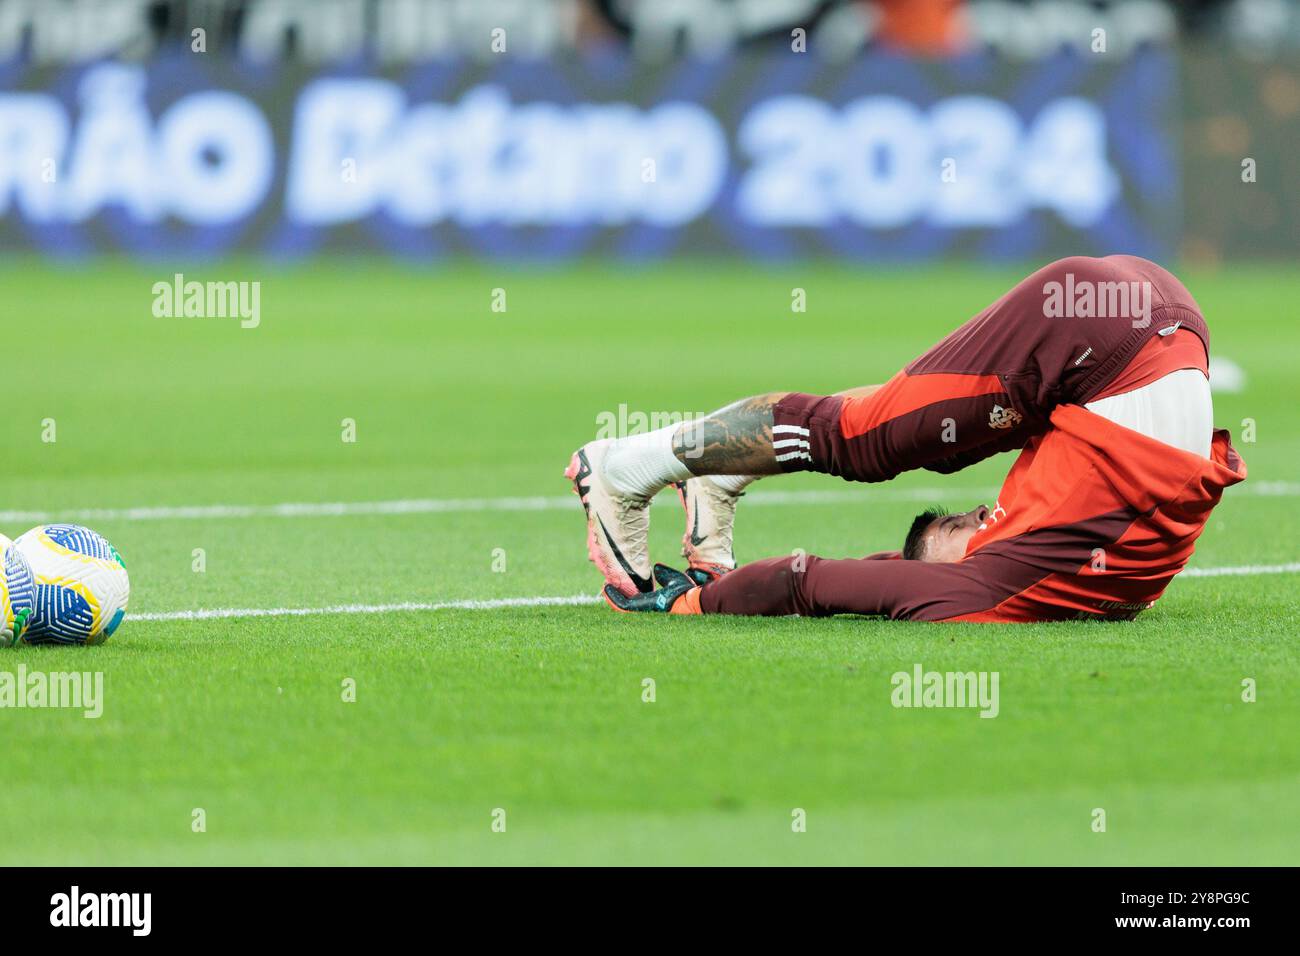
(1093, 521)
(1120, 511)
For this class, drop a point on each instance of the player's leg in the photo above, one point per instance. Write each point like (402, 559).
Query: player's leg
(712, 459)
(1067, 334)
(709, 461)
(710, 505)
(616, 478)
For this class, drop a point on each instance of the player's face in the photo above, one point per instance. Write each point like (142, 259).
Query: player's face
(945, 539)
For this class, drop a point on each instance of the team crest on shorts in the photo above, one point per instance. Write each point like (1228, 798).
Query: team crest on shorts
(1004, 417)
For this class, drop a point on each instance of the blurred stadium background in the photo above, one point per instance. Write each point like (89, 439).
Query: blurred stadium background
(642, 131)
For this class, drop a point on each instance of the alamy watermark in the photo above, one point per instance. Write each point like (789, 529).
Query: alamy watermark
(73, 690)
(181, 299)
(922, 688)
(622, 423)
(129, 910)
(1098, 300)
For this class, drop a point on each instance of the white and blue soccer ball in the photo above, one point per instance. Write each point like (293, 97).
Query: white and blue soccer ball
(17, 592)
(81, 585)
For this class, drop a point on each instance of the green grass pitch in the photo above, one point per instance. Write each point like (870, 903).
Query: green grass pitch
(539, 710)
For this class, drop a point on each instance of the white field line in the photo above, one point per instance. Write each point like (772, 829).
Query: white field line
(864, 495)
(488, 605)
(572, 600)
(1241, 569)
(413, 506)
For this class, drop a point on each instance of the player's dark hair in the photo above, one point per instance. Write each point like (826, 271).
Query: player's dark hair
(914, 546)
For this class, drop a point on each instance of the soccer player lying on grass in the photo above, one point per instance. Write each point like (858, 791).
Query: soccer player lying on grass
(1097, 369)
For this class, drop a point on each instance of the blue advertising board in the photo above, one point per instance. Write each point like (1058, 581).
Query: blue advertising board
(768, 155)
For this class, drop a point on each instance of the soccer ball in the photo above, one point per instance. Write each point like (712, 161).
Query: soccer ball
(81, 585)
(17, 592)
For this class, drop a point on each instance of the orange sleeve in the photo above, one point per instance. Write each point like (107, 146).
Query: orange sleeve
(688, 603)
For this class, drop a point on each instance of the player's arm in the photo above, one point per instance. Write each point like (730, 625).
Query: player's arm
(818, 587)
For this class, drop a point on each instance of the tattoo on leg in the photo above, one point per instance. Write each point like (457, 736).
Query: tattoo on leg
(735, 440)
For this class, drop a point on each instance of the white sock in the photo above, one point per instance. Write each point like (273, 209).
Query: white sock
(644, 464)
(733, 484)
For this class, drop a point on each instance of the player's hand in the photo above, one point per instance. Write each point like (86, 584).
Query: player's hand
(702, 577)
(672, 585)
